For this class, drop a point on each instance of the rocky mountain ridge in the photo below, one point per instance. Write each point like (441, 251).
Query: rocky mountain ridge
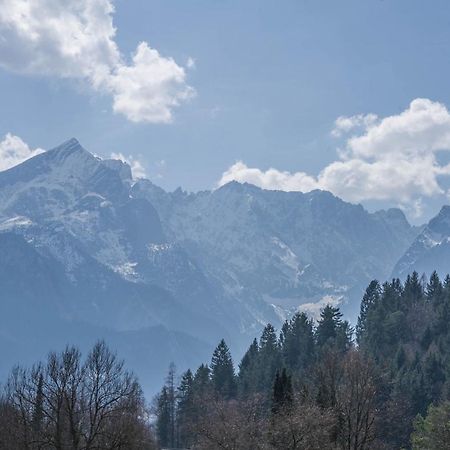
(88, 252)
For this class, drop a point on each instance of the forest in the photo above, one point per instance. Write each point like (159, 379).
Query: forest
(383, 385)
(313, 385)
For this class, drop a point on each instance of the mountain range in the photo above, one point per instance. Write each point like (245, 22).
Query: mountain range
(88, 252)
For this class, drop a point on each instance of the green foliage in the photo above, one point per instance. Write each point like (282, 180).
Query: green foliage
(222, 371)
(400, 367)
(298, 347)
(269, 358)
(332, 332)
(185, 407)
(282, 394)
(370, 298)
(249, 371)
(433, 431)
(166, 411)
(406, 330)
(163, 424)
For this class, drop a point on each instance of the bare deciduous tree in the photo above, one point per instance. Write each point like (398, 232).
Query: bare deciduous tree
(356, 402)
(70, 404)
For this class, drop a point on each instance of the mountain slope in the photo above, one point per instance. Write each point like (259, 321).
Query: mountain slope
(289, 248)
(77, 253)
(430, 250)
(87, 252)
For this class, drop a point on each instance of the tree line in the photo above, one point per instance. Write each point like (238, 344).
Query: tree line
(383, 385)
(312, 385)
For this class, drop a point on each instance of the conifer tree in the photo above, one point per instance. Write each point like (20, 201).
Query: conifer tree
(163, 424)
(370, 298)
(222, 371)
(282, 393)
(331, 331)
(413, 290)
(185, 407)
(434, 289)
(248, 371)
(447, 283)
(166, 407)
(269, 358)
(201, 383)
(297, 343)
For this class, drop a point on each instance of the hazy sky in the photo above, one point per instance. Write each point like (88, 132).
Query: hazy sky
(349, 96)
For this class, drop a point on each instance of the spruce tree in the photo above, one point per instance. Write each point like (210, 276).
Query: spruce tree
(166, 411)
(222, 371)
(434, 289)
(185, 407)
(282, 393)
(297, 343)
(163, 422)
(371, 297)
(413, 290)
(269, 358)
(331, 331)
(248, 371)
(201, 384)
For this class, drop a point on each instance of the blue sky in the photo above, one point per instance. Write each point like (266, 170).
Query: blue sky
(263, 83)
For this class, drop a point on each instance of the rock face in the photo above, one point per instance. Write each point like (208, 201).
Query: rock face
(430, 250)
(287, 248)
(86, 252)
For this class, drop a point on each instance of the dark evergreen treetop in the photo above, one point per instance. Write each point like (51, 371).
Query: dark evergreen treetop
(282, 393)
(371, 296)
(222, 371)
(297, 342)
(403, 336)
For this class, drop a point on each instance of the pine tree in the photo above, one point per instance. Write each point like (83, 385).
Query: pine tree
(331, 331)
(166, 411)
(330, 320)
(413, 290)
(185, 407)
(222, 371)
(163, 424)
(248, 371)
(434, 289)
(297, 343)
(282, 393)
(371, 297)
(201, 384)
(269, 358)
(447, 283)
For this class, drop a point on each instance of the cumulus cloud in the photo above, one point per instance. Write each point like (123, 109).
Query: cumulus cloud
(272, 179)
(75, 39)
(137, 168)
(13, 151)
(148, 90)
(392, 158)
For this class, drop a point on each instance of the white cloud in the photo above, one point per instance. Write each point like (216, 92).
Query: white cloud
(271, 179)
(392, 158)
(344, 124)
(14, 151)
(75, 39)
(148, 90)
(137, 168)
